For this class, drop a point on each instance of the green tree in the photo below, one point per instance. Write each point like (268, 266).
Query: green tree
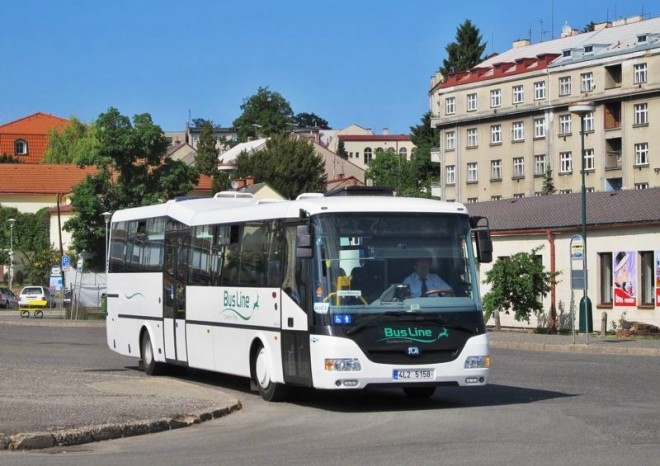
(425, 137)
(207, 161)
(6, 158)
(76, 144)
(201, 122)
(517, 282)
(341, 150)
(310, 120)
(548, 183)
(264, 114)
(466, 51)
(290, 166)
(590, 27)
(389, 169)
(132, 171)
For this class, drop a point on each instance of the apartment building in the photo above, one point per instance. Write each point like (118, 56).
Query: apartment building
(503, 123)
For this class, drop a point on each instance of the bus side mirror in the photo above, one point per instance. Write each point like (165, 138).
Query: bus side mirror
(482, 239)
(303, 242)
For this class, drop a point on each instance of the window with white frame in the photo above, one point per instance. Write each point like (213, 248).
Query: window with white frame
(518, 94)
(539, 127)
(519, 195)
(21, 147)
(565, 191)
(472, 139)
(368, 155)
(496, 134)
(589, 122)
(565, 124)
(641, 114)
(565, 85)
(605, 278)
(495, 98)
(451, 174)
(540, 165)
(495, 170)
(450, 105)
(565, 162)
(642, 154)
(472, 200)
(472, 172)
(495, 198)
(589, 160)
(647, 275)
(590, 189)
(641, 73)
(518, 167)
(450, 140)
(539, 90)
(403, 152)
(641, 186)
(518, 131)
(587, 82)
(471, 102)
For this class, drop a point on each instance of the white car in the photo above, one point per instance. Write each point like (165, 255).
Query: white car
(35, 296)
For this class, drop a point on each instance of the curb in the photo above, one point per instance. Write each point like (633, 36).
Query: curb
(89, 434)
(575, 348)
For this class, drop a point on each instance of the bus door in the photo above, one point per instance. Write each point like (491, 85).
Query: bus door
(177, 238)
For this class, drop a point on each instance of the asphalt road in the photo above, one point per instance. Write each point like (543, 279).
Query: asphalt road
(540, 408)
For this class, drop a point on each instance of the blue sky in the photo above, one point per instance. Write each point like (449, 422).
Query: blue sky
(348, 61)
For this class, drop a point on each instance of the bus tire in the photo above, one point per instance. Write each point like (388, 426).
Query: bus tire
(419, 392)
(151, 367)
(269, 390)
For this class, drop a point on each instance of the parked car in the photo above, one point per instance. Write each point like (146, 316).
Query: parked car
(7, 299)
(35, 296)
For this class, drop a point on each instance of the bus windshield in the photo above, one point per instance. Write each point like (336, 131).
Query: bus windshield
(402, 262)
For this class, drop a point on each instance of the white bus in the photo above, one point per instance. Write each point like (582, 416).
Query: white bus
(307, 293)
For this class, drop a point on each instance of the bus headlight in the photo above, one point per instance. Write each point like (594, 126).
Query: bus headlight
(342, 365)
(477, 362)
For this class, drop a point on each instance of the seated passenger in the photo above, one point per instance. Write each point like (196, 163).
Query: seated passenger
(421, 282)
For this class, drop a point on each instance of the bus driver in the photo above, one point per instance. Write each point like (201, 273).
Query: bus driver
(422, 283)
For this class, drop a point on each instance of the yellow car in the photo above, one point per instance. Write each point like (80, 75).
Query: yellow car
(34, 296)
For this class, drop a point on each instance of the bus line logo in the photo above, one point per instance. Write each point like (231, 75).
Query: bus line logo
(419, 335)
(240, 304)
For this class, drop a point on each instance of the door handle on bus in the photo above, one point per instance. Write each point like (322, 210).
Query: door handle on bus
(289, 322)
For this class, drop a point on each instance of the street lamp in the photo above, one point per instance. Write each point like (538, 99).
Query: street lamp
(11, 252)
(582, 109)
(106, 217)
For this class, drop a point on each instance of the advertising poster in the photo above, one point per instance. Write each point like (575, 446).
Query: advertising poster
(657, 278)
(625, 278)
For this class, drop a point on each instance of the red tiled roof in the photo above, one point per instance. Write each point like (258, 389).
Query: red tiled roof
(34, 130)
(25, 178)
(374, 137)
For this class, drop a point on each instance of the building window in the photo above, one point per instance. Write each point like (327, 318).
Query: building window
(403, 152)
(565, 125)
(589, 160)
(472, 140)
(539, 90)
(642, 154)
(450, 140)
(368, 154)
(495, 98)
(21, 147)
(647, 288)
(590, 189)
(451, 174)
(519, 167)
(471, 102)
(641, 186)
(518, 94)
(565, 162)
(540, 165)
(450, 105)
(518, 131)
(539, 127)
(587, 82)
(605, 276)
(640, 73)
(472, 200)
(565, 191)
(472, 172)
(589, 122)
(641, 114)
(518, 195)
(565, 85)
(495, 170)
(495, 198)
(496, 134)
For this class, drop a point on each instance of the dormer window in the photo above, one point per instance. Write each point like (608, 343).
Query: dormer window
(566, 53)
(641, 38)
(588, 48)
(21, 147)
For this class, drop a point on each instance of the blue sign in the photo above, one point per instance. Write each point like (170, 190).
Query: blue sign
(66, 262)
(342, 319)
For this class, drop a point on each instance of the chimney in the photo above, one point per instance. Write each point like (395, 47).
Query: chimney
(520, 43)
(386, 131)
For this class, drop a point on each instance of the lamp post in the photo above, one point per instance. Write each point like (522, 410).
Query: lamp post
(582, 109)
(11, 252)
(106, 217)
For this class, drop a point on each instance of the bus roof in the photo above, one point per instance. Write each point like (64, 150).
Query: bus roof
(210, 211)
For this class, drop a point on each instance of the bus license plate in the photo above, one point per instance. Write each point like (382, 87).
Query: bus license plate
(413, 374)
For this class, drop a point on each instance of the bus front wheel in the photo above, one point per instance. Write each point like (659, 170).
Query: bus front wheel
(261, 376)
(151, 367)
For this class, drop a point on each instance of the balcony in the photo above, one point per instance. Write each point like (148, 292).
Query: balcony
(435, 155)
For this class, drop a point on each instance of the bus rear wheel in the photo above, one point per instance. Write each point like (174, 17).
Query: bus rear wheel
(419, 392)
(151, 367)
(261, 376)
